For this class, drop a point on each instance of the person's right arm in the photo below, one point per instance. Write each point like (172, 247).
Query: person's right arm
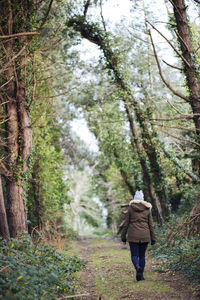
(125, 227)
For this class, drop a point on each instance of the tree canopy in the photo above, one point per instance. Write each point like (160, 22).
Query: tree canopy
(135, 83)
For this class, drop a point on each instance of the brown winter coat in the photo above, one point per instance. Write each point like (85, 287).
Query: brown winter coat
(138, 223)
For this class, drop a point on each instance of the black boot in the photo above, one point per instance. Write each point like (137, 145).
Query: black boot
(138, 273)
(142, 277)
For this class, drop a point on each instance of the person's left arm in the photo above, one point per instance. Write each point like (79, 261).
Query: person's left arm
(151, 228)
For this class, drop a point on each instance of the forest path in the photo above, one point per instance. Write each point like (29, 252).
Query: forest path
(109, 275)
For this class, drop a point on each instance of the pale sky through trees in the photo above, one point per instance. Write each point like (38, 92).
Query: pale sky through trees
(113, 10)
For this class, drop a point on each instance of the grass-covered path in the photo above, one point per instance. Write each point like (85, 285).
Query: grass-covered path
(109, 275)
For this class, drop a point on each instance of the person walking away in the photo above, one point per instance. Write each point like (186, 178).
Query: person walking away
(139, 225)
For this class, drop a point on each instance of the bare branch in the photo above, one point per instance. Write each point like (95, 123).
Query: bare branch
(184, 117)
(18, 34)
(176, 127)
(182, 40)
(54, 45)
(177, 52)
(102, 18)
(54, 96)
(55, 34)
(74, 296)
(161, 74)
(177, 162)
(47, 15)
(149, 51)
(87, 4)
(178, 111)
(174, 67)
(4, 171)
(179, 138)
(15, 56)
(6, 82)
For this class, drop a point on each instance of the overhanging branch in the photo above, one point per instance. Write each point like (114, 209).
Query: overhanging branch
(18, 34)
(177, 52)
(161, 74)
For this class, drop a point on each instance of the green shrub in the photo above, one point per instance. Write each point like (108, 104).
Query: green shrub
(35, 272)
(183, 255)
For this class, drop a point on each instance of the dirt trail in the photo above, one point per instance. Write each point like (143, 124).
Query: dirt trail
(88, 275)
(109, 275)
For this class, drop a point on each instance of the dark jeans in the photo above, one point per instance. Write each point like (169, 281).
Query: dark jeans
(138, 254)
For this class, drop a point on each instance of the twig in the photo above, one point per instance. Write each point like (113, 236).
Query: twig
(4, 102)
(18, 34)
(54, 45)
(194, 217)
(181, 139)
(102, 18)
(4, 268)
(173, 234)
(6, 82)
(179, 112)
(161, 74)
(47, 14)
(15, 56)
(61, 94)
(177, 52)
(149, 51)
(182, 40)
(5, 170)
(73, 296)
(177, 68)
(176, 127)
(176, 118)
(87, 4)
(55, 34)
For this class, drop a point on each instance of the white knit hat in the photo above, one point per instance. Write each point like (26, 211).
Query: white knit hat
(139, 195)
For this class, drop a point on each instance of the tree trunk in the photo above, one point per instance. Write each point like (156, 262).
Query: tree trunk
(148, 189)
(16, 213)
(190, 63)
(4, 230)
(18, 129)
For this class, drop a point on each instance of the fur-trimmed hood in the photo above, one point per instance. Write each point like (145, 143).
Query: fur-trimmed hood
(140, 205)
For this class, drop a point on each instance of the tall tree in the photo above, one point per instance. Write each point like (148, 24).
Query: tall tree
(17, 21)
(188, 53)
(190, 61)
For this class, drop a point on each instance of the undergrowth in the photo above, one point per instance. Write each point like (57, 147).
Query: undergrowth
(182, 254)
(29, 271)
